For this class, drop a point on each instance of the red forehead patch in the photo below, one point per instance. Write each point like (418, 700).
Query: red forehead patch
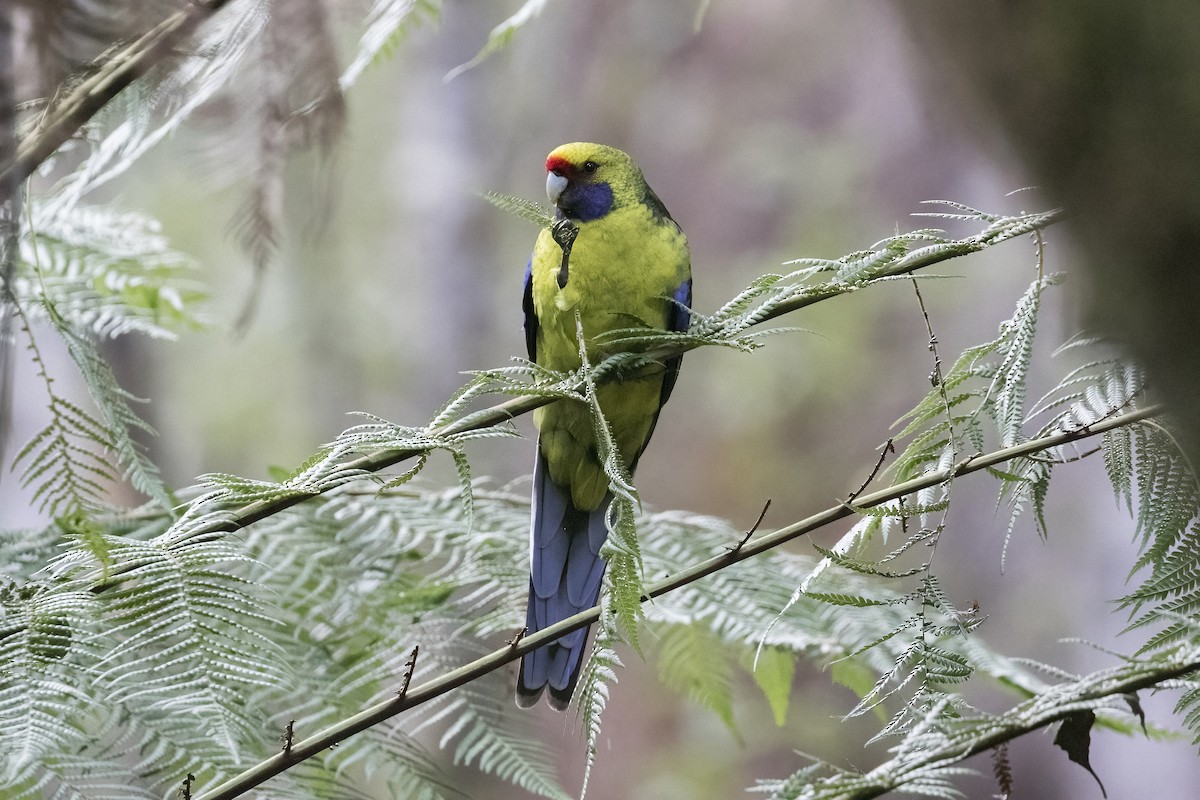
(558, 164)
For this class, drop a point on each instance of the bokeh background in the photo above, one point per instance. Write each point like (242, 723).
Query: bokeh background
(772, 130)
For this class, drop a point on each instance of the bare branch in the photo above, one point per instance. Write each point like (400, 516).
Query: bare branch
(512, 650)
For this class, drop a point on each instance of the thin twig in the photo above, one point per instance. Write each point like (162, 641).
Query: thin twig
(1077, 457)
(187, 786)
(289, 736)
(888, 447)
(761, 515)
(373, 715)
(408, 674)
(938, 378)
(516, 639)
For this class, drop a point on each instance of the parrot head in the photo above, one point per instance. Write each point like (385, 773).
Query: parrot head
(586, 181)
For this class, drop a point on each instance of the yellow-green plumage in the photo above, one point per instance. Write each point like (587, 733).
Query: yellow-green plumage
(623, 268)
(629, 267)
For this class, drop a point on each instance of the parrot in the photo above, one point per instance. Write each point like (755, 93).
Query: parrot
(627, 265)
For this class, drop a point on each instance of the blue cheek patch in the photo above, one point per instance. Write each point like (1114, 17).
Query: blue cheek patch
(589, 201)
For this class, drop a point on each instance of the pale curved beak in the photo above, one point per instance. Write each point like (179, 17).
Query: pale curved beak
(555, 184)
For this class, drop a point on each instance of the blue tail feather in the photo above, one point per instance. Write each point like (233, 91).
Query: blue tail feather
(565, 578)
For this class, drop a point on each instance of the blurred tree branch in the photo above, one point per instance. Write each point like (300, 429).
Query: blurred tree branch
(10, 206)
(113, 72)
(1099, 100)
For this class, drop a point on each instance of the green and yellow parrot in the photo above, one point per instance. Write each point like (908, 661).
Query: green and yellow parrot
(628, 266)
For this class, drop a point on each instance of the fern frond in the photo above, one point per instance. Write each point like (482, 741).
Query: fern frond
(527, 210)
(386, 25)
(24, 551)
(868, 566)
(65, 474)
(204, 649)
(1004, 399)
(483, 737)
(1168, 495)
(841, 599)
(1177, 574)
(62, 462)
(44, 695)
(694, 662)
(1118, 464)
(624, 577)
(501, 35)
(110, 272)
(599, 674)
(1189, 707)
(119, 419)
(1091, 392)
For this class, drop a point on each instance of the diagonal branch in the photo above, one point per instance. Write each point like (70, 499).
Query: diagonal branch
(501, 413)
(110, 78)
(373, 715)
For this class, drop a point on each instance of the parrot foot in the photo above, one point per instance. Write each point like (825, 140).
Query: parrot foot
(564, 232)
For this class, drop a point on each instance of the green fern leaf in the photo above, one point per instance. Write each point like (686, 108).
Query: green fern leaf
(598, 675)
(525, 209)
(501, 35)
(693, 662)
(42, 640)
(119, 419)
(773, 671)
(386, 25)
(106, 272)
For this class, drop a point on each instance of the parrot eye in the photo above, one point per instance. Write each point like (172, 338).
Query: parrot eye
(590, 167)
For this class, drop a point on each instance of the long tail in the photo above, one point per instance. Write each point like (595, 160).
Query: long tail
(564, 579)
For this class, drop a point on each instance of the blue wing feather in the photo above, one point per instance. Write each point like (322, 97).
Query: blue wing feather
(531, 320)
(678, 319)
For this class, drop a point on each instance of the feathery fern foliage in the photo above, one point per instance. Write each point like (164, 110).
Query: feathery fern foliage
(110, 283)
(104, 271)
(231, 633)
(502, 34)
(62, 461)
(310, 613)
(980, 403)
(140, 647)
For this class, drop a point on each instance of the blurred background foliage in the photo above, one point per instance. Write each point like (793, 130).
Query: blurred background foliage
(772, 130)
